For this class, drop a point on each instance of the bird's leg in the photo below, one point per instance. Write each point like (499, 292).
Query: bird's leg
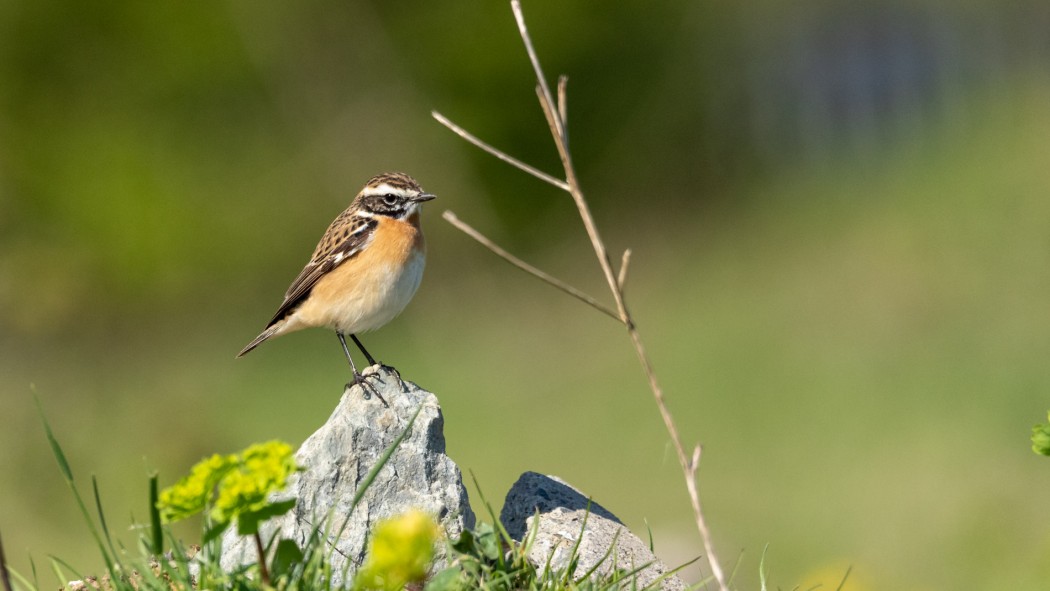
(358, 378)
(372, 361)
(357, 342)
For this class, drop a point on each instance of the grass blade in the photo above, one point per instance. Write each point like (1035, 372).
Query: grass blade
(102, 515)
(762, 569)
(5, 576)
(504, 536)
(156, 533)
(369, 478)
(63, 465)
(56, 567)
(569, 572)
(26, 583)
(608, 553)
(736, 567)
(674, 572)
(842, 583)
(632, 575)
(56, 449)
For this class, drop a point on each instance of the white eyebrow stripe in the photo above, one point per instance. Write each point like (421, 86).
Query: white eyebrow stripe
(385, 188)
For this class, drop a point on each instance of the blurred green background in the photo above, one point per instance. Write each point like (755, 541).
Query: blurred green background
(840, 221)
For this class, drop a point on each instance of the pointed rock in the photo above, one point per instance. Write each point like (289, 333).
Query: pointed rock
(340, 455)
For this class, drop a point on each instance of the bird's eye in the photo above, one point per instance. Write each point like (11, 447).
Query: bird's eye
(390, 199)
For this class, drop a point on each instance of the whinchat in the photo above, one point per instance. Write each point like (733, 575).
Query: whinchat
(364, 271)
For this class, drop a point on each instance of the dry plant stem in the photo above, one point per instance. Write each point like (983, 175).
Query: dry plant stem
(689, 469)
(556, 114)
(621, 279)
(565, 287)
(581, 204)
(555, 118)
(497, 153)
(563, 105)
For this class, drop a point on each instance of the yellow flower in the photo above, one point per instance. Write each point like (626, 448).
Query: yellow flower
(400, 552)
(190, 495)
(241, 484)
(262, 469)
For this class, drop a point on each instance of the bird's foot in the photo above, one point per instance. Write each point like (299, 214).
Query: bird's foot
(366, 387)
(391, 369)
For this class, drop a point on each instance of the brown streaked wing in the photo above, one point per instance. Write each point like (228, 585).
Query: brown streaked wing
(340, 243)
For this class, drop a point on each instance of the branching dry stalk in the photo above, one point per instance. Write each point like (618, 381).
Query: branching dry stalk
(556, 113)
(558, 283)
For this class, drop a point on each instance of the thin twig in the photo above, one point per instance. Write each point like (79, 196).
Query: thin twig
(687, 469)
(515, 6)
(563, 105)
(565, 287)
(498, 153)
(621, 279)
(547, 103)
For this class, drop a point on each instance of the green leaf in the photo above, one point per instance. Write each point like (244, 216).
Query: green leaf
(446, 580)
(465, 544)
(248, 522)
(214, 532)
(488, 542)
(1041, 439)
(285, 557)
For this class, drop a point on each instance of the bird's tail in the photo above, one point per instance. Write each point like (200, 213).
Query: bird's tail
(269, 332)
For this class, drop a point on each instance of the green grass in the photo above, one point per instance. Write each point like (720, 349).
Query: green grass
(400, 549)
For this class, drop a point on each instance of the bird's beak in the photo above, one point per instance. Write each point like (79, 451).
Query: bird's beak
(423, 197)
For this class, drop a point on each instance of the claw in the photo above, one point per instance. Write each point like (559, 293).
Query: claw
(397, 374)
(366, 387)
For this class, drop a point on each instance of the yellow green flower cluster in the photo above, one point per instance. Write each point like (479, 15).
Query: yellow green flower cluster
(190, 495)
(400, 552)
(262, 469)
(1041, 438)
(240, 483)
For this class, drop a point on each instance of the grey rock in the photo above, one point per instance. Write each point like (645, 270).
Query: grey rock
(339, 456)
(554, 532)
(535, 492)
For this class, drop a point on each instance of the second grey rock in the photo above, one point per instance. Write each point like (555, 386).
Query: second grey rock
(554, 532)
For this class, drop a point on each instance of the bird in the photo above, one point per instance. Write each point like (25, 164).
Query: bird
(364, 271)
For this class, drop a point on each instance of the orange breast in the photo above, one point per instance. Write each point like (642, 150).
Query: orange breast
(368, 290)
